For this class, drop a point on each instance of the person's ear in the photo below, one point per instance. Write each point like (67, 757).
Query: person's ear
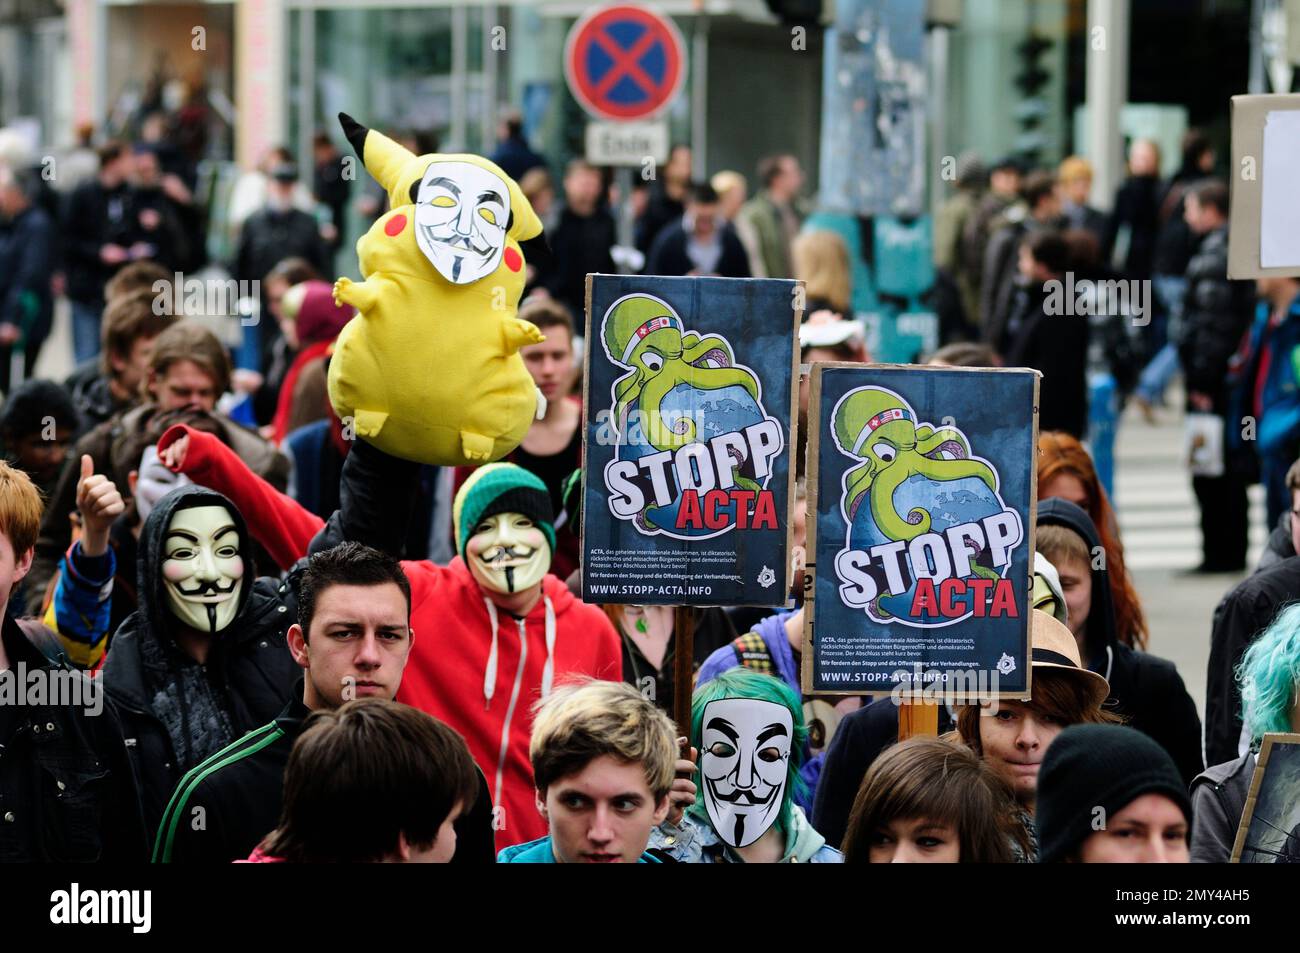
(403, 848)
(661, 810)
(23, 565)
(539, 798)
(298, 648)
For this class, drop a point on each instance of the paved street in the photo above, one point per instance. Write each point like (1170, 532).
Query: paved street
(1159, 524)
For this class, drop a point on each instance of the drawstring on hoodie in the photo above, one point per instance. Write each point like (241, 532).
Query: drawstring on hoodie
(490, 678)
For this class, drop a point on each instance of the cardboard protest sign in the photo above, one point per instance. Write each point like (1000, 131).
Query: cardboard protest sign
(1264, 223)
(689, 391)
(1270, 823)
(921, 503)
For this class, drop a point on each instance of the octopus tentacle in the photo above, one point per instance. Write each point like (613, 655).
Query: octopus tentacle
(956, 470)
(928, 441)
(892, 523)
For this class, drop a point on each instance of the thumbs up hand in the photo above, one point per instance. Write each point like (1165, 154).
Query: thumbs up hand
(100, 503)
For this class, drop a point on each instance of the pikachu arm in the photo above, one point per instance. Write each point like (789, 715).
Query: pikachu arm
(362, 295)
(519, 333)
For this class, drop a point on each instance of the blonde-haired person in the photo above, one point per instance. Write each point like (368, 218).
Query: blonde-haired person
(732, 191)
(604, 760)
(1073, 185)
(821, 261)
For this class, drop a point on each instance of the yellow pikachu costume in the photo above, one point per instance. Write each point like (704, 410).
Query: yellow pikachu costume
(429, 369)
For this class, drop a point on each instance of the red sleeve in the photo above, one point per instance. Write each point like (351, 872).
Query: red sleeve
(282, 525)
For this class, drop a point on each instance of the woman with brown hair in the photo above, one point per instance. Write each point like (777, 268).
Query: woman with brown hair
(1013, 736)
(1066, 470)
(928, 800)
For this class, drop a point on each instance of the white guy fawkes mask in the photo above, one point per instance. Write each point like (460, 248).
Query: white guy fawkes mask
(461, 214)
(153, 481)
(202, 567)
(508, 553)
(744, 760)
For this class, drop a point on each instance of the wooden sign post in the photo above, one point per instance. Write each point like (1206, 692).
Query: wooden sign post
(683, 671)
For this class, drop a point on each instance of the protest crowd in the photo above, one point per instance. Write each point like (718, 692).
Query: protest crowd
(307, 648)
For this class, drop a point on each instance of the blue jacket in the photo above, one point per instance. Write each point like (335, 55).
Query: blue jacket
(1278, 430)
(539, 852)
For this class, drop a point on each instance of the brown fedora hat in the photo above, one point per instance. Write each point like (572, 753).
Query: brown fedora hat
(1054, 647)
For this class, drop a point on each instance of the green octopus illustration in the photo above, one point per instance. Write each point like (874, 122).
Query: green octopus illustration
(644, 334)
(878, 427)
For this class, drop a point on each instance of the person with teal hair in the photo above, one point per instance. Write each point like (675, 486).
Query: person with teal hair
(1269, 677)
(750, 734)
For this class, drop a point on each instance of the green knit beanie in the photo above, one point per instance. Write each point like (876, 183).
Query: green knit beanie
(501, 488)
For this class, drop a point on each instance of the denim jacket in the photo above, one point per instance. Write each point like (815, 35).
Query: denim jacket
(694, 842)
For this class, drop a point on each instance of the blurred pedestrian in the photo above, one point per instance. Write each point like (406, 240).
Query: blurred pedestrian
(1216, 315)
(1038, 209)
(1074, 184)
(581, 240)
(275, 232)
(774, 215)
(27, 237)
(513, 153)
(950, 223)
(1175, 244)
(1134, 222)
(665, 198)
(1003, 190)
(1042, 334)
(1265, 378)
(821, 262)
(329, 187)
(162, 202)
(100, 235)
(702, 243)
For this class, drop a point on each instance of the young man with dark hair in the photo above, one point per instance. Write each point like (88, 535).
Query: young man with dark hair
(69, 793)
(188, 369)
(701, 243)
(351, 640)
(603, 761)
(372, 781)
(110, 383)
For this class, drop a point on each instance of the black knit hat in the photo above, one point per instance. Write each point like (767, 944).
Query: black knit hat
(1098, 766)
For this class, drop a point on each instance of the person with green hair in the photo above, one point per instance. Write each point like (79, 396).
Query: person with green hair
(1269, 678)
(749, 730)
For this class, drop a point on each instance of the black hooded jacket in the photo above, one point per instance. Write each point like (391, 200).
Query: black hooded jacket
(67, 787)
(175, 712)
(1145, 690)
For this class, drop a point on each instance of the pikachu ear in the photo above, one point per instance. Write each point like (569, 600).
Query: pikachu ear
(524, 223)
(383, 158)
